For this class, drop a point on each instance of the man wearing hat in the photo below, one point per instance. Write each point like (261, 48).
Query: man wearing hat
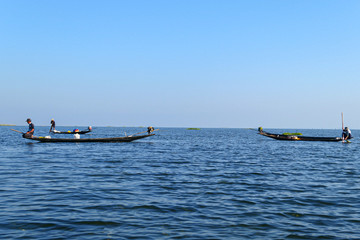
(52, 128)
(30, 132)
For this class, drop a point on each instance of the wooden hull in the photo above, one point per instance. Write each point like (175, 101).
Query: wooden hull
(118, 139)
(300, 138)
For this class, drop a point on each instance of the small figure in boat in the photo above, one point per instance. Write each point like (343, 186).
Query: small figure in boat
(260, 129)
(150, 130)
(346, 134)
(52, 128)
(30, 132)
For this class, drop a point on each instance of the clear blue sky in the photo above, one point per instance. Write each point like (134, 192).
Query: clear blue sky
(181, 63)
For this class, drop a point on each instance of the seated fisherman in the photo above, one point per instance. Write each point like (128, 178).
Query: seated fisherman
(346, 134)
(150, 130)
(30, 132)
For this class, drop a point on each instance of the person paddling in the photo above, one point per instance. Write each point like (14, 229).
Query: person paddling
(30, 132)
(346, 134)
(52, 128)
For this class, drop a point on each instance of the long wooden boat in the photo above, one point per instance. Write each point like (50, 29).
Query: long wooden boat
(299, 137)
(115, 139)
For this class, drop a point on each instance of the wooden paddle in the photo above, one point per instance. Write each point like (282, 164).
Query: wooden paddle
(16, 131)
(142, 132)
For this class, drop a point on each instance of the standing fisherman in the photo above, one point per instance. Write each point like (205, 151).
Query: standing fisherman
(30, 132)
(52, 128)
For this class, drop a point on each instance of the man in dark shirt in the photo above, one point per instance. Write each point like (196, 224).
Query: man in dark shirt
(346, 134)
(150, 129)
(30, 132)
(52, 128)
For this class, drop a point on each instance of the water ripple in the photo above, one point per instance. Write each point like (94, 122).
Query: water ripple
(207, 184)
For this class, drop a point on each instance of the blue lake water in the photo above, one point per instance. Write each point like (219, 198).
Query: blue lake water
(179, 184)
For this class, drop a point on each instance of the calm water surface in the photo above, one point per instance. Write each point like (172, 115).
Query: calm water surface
(179, 184)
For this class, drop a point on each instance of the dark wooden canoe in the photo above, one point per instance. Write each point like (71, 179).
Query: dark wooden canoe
(299, 138)
(116, 139)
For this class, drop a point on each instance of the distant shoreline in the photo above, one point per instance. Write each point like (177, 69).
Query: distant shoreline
(7, 125)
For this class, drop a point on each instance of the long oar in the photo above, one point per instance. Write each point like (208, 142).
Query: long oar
(16, 131)
(142, 132)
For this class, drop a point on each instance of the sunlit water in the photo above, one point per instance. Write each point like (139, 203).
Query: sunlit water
(179, 184)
